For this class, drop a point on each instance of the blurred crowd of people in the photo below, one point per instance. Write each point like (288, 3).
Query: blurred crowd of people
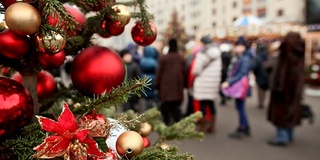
(206, 68)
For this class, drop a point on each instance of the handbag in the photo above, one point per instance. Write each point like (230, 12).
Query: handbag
(307, 113)
(237, 90)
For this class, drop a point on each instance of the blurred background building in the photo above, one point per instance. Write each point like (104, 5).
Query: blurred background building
(207, 14)
(221, 18)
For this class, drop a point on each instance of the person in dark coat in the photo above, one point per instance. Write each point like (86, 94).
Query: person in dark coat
(132, 71)
(287, 88)
(260, 72)
(170, 83)
(226, 60)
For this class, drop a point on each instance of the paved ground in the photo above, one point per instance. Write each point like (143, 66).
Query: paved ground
(220, 147)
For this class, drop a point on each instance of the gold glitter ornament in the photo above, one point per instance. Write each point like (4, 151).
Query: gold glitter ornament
(123, 13)
(50, 43)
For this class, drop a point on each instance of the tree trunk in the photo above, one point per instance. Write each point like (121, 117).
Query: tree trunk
(30, 83)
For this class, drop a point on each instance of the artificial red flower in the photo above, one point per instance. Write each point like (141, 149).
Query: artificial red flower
(68, 139)
(97, 123)
(110, 155)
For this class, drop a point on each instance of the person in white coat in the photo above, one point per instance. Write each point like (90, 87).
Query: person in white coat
(207, 71)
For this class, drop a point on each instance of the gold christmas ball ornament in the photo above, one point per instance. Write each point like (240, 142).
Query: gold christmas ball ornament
(129, 144)
(3, 26)
(123, 13)
(22, 18)
(51, 43)
(145, 129)
(164, 146)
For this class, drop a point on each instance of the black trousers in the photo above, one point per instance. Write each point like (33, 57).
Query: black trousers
(171, 110)
(210, 104)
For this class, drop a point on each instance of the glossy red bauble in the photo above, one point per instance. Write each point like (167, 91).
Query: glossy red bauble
(80, 18)
(46, 84)
(7, 3)
(97, 69)
(139, 36)
(16, 107)
(146, 142)
(50, 61)
(112, 29)
(104, 33)
(13, 45)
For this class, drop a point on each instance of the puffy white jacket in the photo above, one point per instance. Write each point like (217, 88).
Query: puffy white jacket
(207, 69)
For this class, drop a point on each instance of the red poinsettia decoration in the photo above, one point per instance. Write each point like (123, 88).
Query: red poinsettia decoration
(68, 139)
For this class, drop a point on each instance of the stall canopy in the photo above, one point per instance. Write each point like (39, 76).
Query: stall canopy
(248, 20)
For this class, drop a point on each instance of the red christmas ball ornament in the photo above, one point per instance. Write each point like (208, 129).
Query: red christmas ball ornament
(97, 69)
(46, 84)
(16, 107)
(112, 29)
(4, 71)
(7, 3)
(51, 61)
(80, 18)
(13, 45)
(139, 34)
(104, 33)
(17, 77)
(146, 142)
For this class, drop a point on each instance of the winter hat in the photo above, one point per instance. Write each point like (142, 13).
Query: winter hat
(173, 45)
(241, 41)
(124, 52)
(206, 39)
(224, 47)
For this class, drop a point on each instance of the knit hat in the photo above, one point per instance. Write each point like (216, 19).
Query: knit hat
(124, 52)
(241, 41)
(206, 39)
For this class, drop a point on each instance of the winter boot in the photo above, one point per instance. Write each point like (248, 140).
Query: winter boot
(212, 124)
(202, 124)
(240, 133)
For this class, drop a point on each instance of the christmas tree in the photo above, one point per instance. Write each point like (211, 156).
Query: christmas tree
(176, 30)
(313, 71)
(41, 117)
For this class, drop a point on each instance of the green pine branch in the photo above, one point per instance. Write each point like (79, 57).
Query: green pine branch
(163, 154)
(115, 97)
(184, 129)
(21, 146)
